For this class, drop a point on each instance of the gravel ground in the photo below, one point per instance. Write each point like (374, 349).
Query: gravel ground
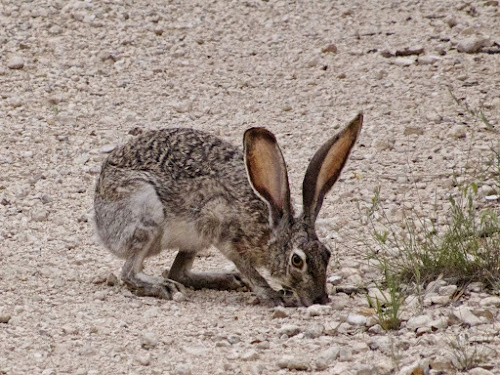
(79, 77)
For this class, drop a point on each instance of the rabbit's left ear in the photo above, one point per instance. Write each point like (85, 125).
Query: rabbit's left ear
(266, 170)
(325, 168)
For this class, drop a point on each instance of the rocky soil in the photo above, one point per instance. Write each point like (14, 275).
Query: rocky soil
(79, 77)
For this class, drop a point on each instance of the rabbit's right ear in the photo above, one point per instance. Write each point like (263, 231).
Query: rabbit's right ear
(325, 168)
(266, 170)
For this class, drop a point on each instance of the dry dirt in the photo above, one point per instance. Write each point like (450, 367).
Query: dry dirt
(78, 77)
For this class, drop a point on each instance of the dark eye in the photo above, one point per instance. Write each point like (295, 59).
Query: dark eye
(297, 261)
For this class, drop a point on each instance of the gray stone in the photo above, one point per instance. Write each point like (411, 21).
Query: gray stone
(356, 319)
(473, 44)
(411, 130)
(327, 357)
(479, 371)
(149, 340)
(249, 355)
(279, 313)
(404, 61)
(15, 62)
(4, 317)
(465, 315)
(314, 310)
(418, 321)
(457, 132)
(428, 59)
(490, 301)
(289, 330)
(182, 369)
(314, 331)
(293, 363)
(144, 358)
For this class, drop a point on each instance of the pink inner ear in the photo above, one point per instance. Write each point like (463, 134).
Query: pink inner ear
(267, 171)
(334, 160)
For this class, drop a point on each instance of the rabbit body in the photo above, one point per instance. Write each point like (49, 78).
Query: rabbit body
(187, 190)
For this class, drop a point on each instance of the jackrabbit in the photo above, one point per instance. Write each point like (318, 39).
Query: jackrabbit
(185, 189)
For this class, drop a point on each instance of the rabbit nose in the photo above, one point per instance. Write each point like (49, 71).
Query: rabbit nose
(322, 299)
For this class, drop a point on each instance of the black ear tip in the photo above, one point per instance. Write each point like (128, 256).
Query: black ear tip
(259, 132)
(357, 122)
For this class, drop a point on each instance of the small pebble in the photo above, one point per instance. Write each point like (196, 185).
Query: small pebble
(289, 330)
(331, 48)
(249, 355)
(356, 319)
(279, 313)
(293, 363)
(403, 61)
(179, 297)
(4, 317)
(15, 62)
(149, 340)
(473, 44)
(182, 369)
(144, 359)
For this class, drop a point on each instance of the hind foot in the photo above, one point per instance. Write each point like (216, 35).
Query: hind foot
(208, 280)
(145, 285)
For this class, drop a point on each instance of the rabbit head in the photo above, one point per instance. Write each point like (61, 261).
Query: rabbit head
(298, 259)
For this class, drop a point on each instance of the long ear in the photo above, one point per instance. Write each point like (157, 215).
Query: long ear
(266, 171)
(325, 168)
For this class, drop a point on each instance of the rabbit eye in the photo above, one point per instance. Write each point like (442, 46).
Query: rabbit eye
(297, 261)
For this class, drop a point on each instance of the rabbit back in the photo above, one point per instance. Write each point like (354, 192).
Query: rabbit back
(186, 187)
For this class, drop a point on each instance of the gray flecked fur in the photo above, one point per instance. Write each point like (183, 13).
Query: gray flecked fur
(185, 189)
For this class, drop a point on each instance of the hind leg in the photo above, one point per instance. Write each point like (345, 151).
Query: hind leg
(181, 272)
(147, 242)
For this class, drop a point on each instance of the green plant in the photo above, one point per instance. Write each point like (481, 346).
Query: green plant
(465, 249)
(388, 307)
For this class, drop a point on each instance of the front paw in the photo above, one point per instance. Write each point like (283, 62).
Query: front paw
(268, 297)
(236, 282)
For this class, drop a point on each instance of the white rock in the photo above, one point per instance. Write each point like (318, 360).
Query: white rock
(356, 319)
(279, 312)
(473, 44)
(195, 350)
(106, 149)
(403, 61)
(182, 369)
(16, 101)
(479, 371)
(384, 143)
(334, 279)
(457, 132)
(15, 62)
(144, 358)
(447, 290)
(327, 357)
(345, 354)
(364, 370)
(440, 323)
(314, 331)
(314, 310)
(490, 301)
(465, 315)
(289, 330)
(179, 297)
(249, 355)
(428, 59)
(4, 316)
(149, 340)
(40, 215)
(293, 363)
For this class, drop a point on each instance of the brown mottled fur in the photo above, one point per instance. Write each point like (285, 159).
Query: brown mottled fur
(184, 189)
